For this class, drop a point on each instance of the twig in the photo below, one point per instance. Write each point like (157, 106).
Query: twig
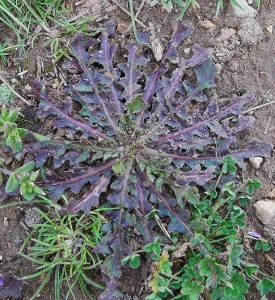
(265, 132)
(136, 15)
(270, 260)
(19, 96)
(251, 109)
(259, 106)
(126, 11)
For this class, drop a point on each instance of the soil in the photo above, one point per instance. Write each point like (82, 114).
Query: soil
(243, 66)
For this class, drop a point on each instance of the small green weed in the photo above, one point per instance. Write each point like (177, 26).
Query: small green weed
(6, 94)
(215, 264)
(63, 246)
(12, 135)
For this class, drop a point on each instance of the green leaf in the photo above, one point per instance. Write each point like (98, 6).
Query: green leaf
(229, 167)
(193, 289)
(27, 168)
(235, 253)
(153, 296)
(119, 167)
(41, 138)
(250, 269)
(34, 175)
(265, 286)
(134, 261)
(12, 184)
(135, 105)
(28, 195)
(153, 247)
(214, 272)
(236, 291)
(262, 244)
(14, 141)
(213, 194)
(256, 184)
(11, 116)
(125, 260)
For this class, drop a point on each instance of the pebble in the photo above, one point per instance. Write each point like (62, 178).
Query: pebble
(269, 28)
(31, 216)
(6, 222)
(246, 12)
(250, 32)
(226, 34)
(219, 68)
(186, 50)
(256, 161)
(265, 211)
(54, 34)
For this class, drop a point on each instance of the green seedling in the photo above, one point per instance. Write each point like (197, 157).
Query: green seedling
(23, 179)
(11, 133)
(6, 94)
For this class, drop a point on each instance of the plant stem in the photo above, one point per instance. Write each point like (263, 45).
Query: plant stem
(123, 192)
(133, 20)
(222, 201)
(93, 172)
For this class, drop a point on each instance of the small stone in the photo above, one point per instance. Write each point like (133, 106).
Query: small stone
(186, 50)
(54, 34)
(226, 34)
(31, 216)
(265, 211)
(256, 161)
(219, 68)
(1, 257)
(6, 222)
(250, 32)
(245, 11)
(269, 28)
(207, 24)
(122, 26)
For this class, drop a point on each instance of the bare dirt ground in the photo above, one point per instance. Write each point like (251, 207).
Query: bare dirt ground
(244, 65)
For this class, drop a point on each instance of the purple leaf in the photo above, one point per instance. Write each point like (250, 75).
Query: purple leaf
(90, 199)
(74, 179)
(132, 73)
(10, 286)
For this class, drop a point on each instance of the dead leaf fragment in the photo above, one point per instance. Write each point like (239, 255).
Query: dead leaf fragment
(181, 251)
(122, 26)
(54, 34)
(226, 34)
(157, 48)
(207, 24)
